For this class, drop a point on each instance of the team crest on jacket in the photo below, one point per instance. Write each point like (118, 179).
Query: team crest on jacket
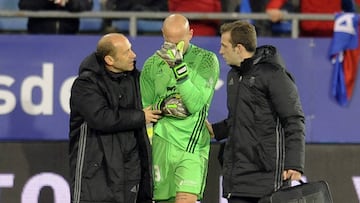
(252, 81)
(231, 81)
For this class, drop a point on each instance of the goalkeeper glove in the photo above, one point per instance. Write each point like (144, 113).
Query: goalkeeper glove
(172, 54)
(172, 106)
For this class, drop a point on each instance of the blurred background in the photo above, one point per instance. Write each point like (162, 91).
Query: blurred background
(42, 43)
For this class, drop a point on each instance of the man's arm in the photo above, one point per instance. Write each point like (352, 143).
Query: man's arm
(89, 101)
(285, 99)
(197, 91)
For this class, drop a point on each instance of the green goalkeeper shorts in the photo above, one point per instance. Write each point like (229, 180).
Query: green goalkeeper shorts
(176, 170)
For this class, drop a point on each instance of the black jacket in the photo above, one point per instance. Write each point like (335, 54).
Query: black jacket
(265, 126)
(54, 25)
(109, 149)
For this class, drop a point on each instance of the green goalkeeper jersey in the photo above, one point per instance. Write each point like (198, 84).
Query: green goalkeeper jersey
(157, 81)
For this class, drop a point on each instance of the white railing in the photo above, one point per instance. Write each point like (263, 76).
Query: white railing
(134, 16)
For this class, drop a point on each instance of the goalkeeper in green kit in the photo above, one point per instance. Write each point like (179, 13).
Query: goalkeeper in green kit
(179, 79)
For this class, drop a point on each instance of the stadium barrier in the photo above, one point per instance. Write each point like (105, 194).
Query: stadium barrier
(133, 17)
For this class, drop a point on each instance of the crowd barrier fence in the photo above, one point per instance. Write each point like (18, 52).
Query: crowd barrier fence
(133, 17)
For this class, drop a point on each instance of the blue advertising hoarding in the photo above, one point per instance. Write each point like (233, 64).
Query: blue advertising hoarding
(36, 73)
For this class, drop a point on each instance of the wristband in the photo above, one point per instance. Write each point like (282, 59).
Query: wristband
(180, 71)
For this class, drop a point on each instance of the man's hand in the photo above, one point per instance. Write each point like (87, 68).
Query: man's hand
(61, 3)
(275, 15)
(173, 55)
(210, 129)
(151, 116)
(291, 174)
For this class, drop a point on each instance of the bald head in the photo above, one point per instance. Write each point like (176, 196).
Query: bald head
(115, 50)
(175, 23)
(107, 44)
(176, 28)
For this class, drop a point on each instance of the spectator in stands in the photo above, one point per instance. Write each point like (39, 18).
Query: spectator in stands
(312, 27)
(133, 5)
(275, 26)
(230, 5)
(275, 11)
(201, 27)
(136, 5)
(263, 27)
(54, 25)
